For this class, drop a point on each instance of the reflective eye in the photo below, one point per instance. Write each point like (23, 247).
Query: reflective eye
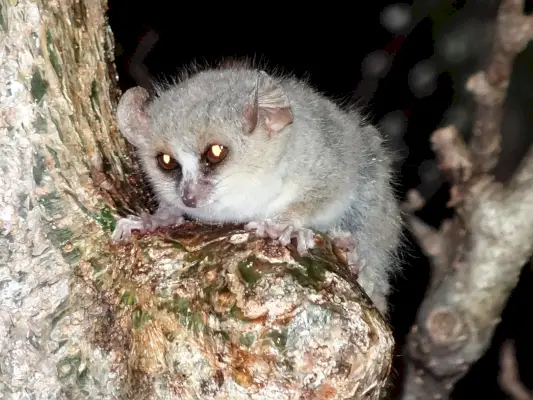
(167, 162)
(216, 153)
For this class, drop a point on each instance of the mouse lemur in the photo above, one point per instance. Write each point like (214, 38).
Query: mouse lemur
(238, 145)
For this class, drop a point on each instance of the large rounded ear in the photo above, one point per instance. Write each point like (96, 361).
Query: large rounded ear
(133, 120)
(267, 105)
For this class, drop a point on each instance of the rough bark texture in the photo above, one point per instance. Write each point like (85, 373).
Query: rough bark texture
(478, 255)
(211, 314)
(193, 313)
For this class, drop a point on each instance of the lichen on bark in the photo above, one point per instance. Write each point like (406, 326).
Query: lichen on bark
(203, 312)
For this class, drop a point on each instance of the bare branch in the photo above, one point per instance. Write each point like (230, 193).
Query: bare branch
(509, 377)
(429, 238)
(455, 159)
(514, 31)
(487, 242)
(413, 202)
(457, 319)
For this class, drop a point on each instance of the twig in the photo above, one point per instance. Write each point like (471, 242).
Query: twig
(455, 158)
(429, 238)
(413, 202)
(509, 377)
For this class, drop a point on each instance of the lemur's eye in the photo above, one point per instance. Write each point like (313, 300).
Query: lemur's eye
(167, 162)
(215, 153)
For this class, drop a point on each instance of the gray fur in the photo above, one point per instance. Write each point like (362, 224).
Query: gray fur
(327, 160)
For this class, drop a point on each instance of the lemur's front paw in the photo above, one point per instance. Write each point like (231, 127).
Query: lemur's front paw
(145, 223)
(124, 228)
(283, 233)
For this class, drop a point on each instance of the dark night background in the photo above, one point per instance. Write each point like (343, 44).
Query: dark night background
(405, 64)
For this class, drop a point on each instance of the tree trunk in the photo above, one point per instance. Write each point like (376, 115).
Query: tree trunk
(194, 312)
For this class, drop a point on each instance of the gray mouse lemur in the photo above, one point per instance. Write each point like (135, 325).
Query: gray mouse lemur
(239, 145)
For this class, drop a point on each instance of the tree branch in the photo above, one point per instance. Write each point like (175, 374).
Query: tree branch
(489, 239)
(430, 239)
(455, 160)
(513, 31)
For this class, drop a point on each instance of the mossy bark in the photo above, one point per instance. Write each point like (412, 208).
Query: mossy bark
(195, 312)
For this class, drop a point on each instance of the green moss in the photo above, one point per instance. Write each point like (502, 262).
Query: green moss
(206, 253)
(38, 170)
(106, 219)
(128, 298)
(223, 334)
(316, 268)
(53, 153)
(40, 124)
(192, 321)
(248, 339)
(82, 377)
(54, 59)
(38, 86)
(60, 236)
(3, 21)
(22, 199)
(97, 266)
(301, 277)
(68, 366)
(177, 245)
(208, 291)
(236, 312)
(314, 274)
(248, 271)
(185, 316)
(180, 305)
(99, 272)
(140, 317)
(317, 271)
(61, 310)
(72, 257)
